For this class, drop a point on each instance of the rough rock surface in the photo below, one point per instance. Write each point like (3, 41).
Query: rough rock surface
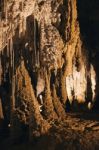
(47, 34)
(77, 131)
(45, 51)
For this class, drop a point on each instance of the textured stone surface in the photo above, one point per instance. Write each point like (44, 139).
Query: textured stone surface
(42, 44)
(47, 34)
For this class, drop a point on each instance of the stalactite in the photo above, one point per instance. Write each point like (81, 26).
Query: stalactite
(11, 51)
(0, 70)
(13, 80)
(40, 84)
(38, 58)
(5, 10)
(41, 39)
(35, 47)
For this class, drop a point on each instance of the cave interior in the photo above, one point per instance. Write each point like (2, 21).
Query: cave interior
(89, 30)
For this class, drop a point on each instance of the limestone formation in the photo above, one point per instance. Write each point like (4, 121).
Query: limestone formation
(26, 111)
(57, 105)
(49, 111)
(43, 51)
(1, 111)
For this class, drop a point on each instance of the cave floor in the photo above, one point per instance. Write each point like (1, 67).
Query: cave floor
(79, 131)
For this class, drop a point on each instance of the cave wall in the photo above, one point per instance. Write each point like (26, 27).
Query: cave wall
(43, 43)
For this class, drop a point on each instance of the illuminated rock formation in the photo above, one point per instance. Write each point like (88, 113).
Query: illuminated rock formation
(46, 35)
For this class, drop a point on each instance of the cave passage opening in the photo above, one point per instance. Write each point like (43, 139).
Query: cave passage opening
(88, 17)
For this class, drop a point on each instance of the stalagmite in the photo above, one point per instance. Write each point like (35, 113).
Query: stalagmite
(49, 111)
(37, 125)
(13, 81)
(58, 105)
(93, 82)
(35, 44)
(63, 88)
(1, 111)
(27, 108)
(0, 70)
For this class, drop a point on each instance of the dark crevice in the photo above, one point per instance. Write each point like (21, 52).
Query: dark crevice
(88, 18)
(89, 22)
